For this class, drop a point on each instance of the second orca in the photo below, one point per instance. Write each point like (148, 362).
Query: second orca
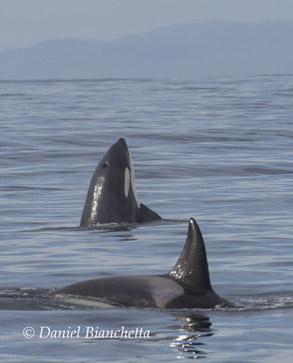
(187, 285)
(111, 196)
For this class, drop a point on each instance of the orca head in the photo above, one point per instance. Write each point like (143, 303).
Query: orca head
(191, 270)
(112, 195)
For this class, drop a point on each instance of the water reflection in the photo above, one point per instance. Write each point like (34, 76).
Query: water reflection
(193, 327)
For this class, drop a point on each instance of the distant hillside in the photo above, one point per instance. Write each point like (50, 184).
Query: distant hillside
(190, 50)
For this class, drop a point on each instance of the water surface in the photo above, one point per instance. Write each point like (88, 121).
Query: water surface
(217, 149)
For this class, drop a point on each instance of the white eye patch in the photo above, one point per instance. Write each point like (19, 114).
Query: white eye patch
(133, 183)
(126, 182)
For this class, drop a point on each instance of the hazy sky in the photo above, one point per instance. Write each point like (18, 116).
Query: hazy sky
(25, 22)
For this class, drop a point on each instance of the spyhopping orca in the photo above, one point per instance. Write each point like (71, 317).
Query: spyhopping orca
(187, 285)
(111, 196)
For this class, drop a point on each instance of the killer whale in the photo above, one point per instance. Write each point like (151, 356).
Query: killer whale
(187, 285)
(111, 196)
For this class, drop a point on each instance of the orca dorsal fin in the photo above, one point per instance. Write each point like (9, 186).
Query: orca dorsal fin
(191, 269)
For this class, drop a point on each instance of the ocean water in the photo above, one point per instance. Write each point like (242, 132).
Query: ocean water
(216, 149)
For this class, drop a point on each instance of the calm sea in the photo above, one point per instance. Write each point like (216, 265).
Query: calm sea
(217, 149)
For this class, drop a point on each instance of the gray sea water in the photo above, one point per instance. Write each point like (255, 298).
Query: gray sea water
(217, 149)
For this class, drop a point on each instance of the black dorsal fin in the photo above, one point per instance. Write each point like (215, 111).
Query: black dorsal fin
(191, 269)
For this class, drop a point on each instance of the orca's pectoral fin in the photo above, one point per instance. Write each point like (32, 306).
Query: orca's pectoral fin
(146, 214)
